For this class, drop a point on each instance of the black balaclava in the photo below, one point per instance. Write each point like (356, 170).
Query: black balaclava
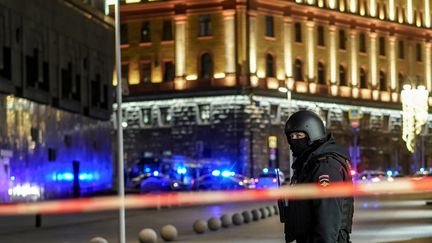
(298, 146)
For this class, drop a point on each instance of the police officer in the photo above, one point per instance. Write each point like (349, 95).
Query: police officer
(318, 159)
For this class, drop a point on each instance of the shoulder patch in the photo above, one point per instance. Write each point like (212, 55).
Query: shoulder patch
(324, 180)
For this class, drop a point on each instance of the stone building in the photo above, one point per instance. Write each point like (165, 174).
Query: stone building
(204, 77)
(56, 62)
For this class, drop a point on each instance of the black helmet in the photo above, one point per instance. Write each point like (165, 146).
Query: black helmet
(307, 122)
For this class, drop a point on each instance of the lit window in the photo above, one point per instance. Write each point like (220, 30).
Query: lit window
(204, 113)
(146, 116)
(165, 116)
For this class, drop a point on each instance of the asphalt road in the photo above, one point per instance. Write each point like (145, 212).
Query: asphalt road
(375, 221)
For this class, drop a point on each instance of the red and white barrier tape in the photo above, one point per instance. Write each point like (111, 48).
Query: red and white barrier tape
(304, 191)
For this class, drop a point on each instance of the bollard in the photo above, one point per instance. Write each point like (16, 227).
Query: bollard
(247, 217)
(168, 232)
(200, 226)
(38, 220)
(237, 219)
(147, 235)
(98, 240)
(214, 223)
(226, 221)
(256, 215)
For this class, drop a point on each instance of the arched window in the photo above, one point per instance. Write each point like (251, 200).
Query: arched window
(342, 76)
(321, 73)
(401, 80)
(382, 81)
(298, 67)
(206, 66)
(270, 67)
(363, 79)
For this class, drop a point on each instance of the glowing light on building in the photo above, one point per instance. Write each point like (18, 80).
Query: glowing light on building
(362, 10)
(332, 4)
(353, 6)
(180, 46)
(427, 20)
(391, 10)
(392, 63)
(133, 1)
(229, 41)
(252, 44)
(409, 13)
(272, 83)
(381, 14)
(219, 75)
(320, 3)
(310, 2)
(191, 77)
(414, 113)
(354, 68)
(261, 74)
(418, 21)
(372, 9)
(311, 50)
(333, 66)
(299, 1)
(254, 81)
(342, 6)
(288, 48)
(400, 17)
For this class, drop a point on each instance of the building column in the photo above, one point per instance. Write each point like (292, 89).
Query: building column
(427, 19)
(373, 64)
(428, 74)
(332, 67)
(354, 68)
(411, 58)
(252, 49)
(409, 12)
(353, 6)
(310, 50)
(391, 10)
(180, 51)
(372, 8)
(332, 4)
(392, 68)
(288, 59)
(230, 58)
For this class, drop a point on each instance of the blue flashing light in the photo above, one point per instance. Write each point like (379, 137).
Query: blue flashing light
(265, 170)
(12, 178)
(147, 170)
(421, 170)
(86, 177)
(216, 173)
(181, 170)
(155, 173)
(226, 173)
(389, 173)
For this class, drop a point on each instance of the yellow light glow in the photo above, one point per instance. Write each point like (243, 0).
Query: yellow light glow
(310, 2)
(332, 4)
(373, 59)
(393, 75)
(312, 88)
(375, 94)
(310, 50)
(254, 81)
(180, 47)
(395, 97)
(362, 10)
(133, 1)
(334, 90)
(299, 1)
(381, 14)
(391, 10)
(191, 77)
(230, 80)
(229, 27)
(345, 91)
(219, 75)
(372, 9)
(355, 93)
(385, 96)
(291, 83)
(427, 19)
(272, 142)
(288, 49)
(252, 45)
(418, 22)
(320, 3)
(261, 74)
(333, 56)
(400, 18)
(414, 113)
(301, 87)
(272, 83)
(179, 83)
(353, 6)
(409, 13)
(366, 94)
(353, 58)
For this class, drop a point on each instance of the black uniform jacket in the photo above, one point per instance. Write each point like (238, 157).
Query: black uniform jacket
(320, 220)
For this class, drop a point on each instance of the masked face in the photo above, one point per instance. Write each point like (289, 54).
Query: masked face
(298, 146)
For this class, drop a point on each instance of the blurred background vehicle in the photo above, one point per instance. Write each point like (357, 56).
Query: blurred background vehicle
(374, 176)
(222, 180)
(160, 183)
(269, 178)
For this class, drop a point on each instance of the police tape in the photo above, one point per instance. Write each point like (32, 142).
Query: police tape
(303, 191)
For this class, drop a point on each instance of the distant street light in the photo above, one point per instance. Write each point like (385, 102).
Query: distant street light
(414, 112)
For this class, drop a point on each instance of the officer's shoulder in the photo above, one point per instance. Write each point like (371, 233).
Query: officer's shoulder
(326, 159)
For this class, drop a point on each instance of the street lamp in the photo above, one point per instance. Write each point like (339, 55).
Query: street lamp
(288, 93)
(414, 112)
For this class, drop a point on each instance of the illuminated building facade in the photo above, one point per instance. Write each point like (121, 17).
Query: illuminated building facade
(180, 58)
(55, 100)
